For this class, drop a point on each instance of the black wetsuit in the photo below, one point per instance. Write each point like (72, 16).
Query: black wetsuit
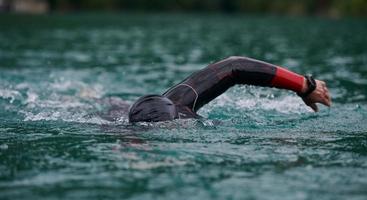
(205, 85)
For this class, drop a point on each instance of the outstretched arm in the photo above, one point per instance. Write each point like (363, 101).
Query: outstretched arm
(210, 82)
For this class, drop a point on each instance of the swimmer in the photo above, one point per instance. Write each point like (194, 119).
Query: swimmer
(183, 100)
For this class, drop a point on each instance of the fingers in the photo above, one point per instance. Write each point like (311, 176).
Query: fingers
(325, 96)
(314, 107)
(327, 99)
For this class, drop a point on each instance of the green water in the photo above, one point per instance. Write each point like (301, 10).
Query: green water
(59, 76)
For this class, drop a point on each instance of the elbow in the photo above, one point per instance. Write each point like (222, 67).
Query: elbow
(240, 61)
(234, 59)
(233, 64)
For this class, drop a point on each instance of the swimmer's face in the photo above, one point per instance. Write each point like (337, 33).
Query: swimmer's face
(152, 108)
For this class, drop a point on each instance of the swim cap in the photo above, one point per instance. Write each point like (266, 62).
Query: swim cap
(152, 108)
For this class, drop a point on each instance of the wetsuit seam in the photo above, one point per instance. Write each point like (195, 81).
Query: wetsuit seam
(187, 85)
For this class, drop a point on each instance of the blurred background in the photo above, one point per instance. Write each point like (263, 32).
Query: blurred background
(331, 8)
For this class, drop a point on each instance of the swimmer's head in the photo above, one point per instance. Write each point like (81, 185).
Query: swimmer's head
(152, 108)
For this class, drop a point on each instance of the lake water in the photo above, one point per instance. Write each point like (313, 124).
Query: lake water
(60, 75)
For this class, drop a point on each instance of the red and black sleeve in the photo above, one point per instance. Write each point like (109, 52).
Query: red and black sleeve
(210, 82)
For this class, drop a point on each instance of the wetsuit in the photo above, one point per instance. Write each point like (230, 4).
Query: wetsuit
(205, 85)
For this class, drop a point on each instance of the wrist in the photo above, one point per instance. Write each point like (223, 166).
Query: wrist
(304, 86)
(309, 86)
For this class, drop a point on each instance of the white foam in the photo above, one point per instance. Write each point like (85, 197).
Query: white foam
(10, 94)
(65, 116)
(65, 100)
(31, 97)
(284, 104)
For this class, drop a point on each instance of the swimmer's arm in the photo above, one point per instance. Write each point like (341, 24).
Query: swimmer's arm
(283, 79)
(210, 82)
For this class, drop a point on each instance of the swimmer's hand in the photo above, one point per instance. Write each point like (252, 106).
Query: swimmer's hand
(319, 95)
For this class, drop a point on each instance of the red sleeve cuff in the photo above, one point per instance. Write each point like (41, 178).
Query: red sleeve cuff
(285, 79)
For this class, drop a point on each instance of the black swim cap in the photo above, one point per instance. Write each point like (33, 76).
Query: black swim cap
(152, 108)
